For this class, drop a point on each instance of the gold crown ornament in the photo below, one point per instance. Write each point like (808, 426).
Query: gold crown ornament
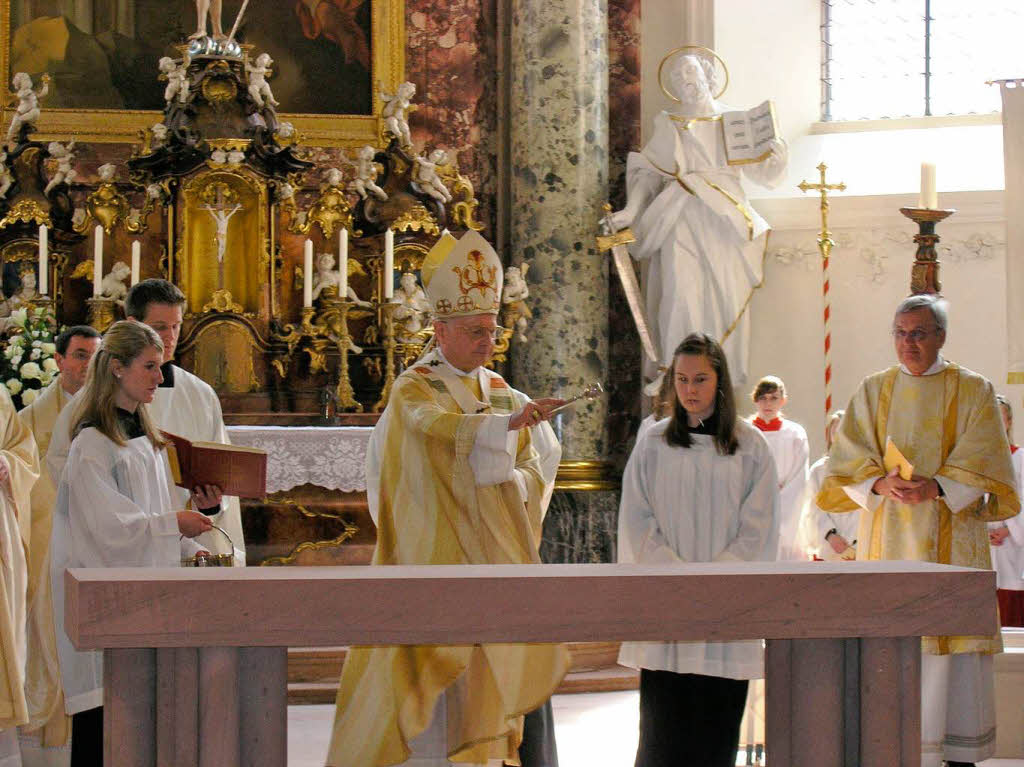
(462, 276)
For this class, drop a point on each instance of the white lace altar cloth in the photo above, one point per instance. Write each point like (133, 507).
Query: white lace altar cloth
(332, 457)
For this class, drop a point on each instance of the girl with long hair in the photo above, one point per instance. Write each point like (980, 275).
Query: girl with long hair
(113, 504)
(700, 486)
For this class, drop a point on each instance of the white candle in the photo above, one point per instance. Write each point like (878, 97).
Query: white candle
(929, 193)
(136, 258)
(343, 264)
(43, 260)
(97, 265)
(389, 264)
(307, 275)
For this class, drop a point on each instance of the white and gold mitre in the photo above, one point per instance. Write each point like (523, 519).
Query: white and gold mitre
(462, 277)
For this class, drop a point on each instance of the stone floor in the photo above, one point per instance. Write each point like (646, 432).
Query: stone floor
(593, 730)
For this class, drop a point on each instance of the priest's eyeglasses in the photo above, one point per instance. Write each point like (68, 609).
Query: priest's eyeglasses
(476, 335)
(917, 335)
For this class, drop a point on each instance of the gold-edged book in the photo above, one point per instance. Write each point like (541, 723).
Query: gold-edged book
(895, 459)
(236, 470)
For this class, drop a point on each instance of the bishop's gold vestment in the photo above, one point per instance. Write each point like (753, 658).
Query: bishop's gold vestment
(42, 674)
(432, 511)
(947, 425)
(19, 451)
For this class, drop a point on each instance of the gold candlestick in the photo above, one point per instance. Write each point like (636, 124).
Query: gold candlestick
(924, 275)
(336, 318)
(101, 312)
(387, 319)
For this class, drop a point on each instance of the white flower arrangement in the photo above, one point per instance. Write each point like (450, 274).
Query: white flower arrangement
(27, 365)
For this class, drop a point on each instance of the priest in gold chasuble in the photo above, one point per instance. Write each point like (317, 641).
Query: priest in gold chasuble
(945, 422)
(459, 471)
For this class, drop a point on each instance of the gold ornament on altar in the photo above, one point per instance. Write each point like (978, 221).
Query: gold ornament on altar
(108, 207)
(330, 210)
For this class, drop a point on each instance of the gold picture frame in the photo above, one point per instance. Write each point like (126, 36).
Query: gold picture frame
(387, 57)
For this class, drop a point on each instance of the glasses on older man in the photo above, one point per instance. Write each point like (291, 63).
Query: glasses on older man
(476, 335)
(917, 335)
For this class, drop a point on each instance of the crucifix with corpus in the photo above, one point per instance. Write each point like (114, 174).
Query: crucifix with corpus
(221, 213)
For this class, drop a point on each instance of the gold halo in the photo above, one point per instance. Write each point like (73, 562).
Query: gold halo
(680, 49)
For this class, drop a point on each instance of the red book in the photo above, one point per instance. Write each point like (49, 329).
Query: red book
(236, 470)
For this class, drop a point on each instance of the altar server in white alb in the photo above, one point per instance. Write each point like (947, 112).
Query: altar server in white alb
(459, 471)
(114, 494)
(1007, 541)
(788, 442)
(700, 486)
(831, 537)
(184, 404)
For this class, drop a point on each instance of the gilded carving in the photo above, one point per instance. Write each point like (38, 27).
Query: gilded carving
(28, 211)
(417, 219)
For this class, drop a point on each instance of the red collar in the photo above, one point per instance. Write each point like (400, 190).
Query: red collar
(1014, 449)
(775, 425)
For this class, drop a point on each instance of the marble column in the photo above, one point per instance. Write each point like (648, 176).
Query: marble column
(558, 133)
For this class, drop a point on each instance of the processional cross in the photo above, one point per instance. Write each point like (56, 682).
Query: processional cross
(221, 214)
(825, 245)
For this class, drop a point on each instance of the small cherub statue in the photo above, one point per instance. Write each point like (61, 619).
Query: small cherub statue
(259, 88)
(177, 79)
(413, 310)
(219, 156)
(112, 285)
(365, 181)
(27, 111)
(158, 132)
(155, 192)
(64, 156)
(327, 277)
(6, 179)
(236, 157)
(285, 192)
(106, 172)
(285, 130)
(425, 174)
(515, 312)
(395, 107)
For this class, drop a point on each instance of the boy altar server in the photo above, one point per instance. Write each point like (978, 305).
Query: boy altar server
(455, 476)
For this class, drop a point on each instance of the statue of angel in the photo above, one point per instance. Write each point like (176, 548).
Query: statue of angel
(327, 277)
(425, 174)
(106, 172)
(6, 179)
(514, 310)
(64, 156)
(112, 285)
(219, 156)
(413, 310)
(155, 192)
(177, 79)
(158, 132)
(365, 182)
(27, 111)
(259, 88)
(395, 107)
(285, 192)
(236, 157)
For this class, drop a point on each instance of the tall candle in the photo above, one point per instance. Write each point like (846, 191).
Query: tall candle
(343, 263)
(307, 275)
(929, 193)
(389, 264)
(43, 260)
(97, 264)
(136, 258)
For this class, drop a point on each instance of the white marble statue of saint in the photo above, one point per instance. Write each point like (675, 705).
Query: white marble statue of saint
(208, 9)
(327, 276)
(702, 242)
(514, 310)
(177, 79)
(27, 111)
(425, 174)
(112, 285)
(259, 88)
(365, 181)
(6, 179)
(413, 311)
(64, 155)
(395, 106)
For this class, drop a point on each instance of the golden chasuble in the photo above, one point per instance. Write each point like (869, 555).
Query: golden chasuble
(431, 511)
(947, 425)
(19, 450)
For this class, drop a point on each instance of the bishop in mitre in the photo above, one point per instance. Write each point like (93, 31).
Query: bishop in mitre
(19, 469)
(945, 421)
(459, 471)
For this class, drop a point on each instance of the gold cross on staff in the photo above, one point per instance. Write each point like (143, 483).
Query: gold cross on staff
(825, 242)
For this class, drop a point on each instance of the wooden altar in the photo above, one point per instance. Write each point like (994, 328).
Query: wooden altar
(843, 686)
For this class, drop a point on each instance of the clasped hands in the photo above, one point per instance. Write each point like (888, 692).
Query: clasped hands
(917, 489)
(534, 412)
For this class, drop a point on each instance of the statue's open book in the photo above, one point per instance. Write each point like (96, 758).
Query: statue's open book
(239, 471)
(748, 134)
